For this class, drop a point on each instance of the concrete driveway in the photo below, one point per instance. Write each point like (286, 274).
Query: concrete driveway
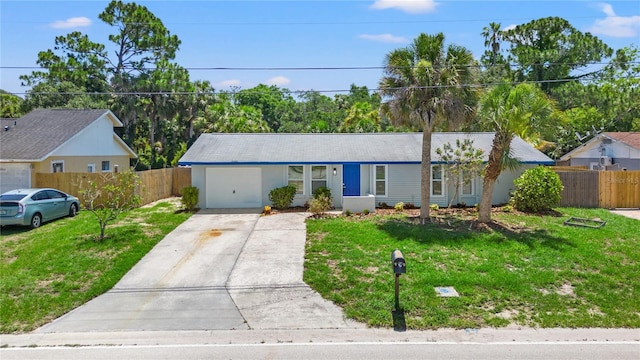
(216, 271)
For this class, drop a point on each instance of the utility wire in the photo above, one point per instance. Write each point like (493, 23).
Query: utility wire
(317, 68)
(163, 93)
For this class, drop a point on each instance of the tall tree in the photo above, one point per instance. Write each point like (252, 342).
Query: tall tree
(268, 99)
(523, 110)
(140, 43)
(426, 85)
(549, 50)
(10, 105)
(492, 37)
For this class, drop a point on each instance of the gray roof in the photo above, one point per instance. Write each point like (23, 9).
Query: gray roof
(261, 148)
(34, 136)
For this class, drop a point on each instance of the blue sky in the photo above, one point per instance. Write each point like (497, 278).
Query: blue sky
(297, 34)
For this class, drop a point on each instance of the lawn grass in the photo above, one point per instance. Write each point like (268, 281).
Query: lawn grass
(530, 270)
(48, 271)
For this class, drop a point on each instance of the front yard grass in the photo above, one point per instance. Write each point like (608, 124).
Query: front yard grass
(50, 270)
(527, 270)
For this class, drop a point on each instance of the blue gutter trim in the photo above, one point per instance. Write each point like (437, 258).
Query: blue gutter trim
(197, 163)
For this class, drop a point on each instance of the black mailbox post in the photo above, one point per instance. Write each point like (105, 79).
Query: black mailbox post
(399, 267)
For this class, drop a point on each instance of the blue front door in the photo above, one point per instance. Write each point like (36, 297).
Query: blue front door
(351, 179)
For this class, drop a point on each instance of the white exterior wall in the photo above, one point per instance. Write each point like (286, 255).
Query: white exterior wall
(95, 140)
(403, 184)
(620, 153)
(275, 176)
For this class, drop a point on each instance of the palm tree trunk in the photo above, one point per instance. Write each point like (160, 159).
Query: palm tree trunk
(500, 143)
(484, 213)
(425, 196)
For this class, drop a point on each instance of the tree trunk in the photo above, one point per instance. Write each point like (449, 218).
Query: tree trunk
(500, 143)
(484, 213)
(425, 196)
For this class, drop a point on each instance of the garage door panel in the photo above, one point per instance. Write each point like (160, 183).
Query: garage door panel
(14, 176)
(233, 187)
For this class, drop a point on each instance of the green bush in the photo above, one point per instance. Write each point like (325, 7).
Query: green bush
(537, 189)
(322, 191)
(190, 197)
(399, 206)
(320, 204)
(282, 197)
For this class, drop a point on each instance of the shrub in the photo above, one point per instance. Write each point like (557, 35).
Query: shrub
(399, 206)
(348, 212)
(266, 210)
(537, 189)
(366, 211)
(434, 207)
(190, 197)
(320, 204)
(282, 197)
(322, 191)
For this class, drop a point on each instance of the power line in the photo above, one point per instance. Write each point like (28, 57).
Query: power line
(320, 68)
(297, 92)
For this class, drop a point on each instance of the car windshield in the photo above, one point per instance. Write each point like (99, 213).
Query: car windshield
(12, 197)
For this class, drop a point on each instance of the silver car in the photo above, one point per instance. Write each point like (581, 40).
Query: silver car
(32, 207)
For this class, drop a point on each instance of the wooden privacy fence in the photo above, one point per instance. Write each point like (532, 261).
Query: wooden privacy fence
(153, 184)
(604, 189)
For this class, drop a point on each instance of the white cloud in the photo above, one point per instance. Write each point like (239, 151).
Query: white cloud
(228, 83)
(387, 38)
(278, 81)
(613, 25)
(409, 6)
(510, 27)
(74, 22)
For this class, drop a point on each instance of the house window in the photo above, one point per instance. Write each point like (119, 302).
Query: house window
(106, 165)
(295, 175)
(91, 168)
(466, 183)
(437, 180)
(380, 180)
(57, 166)
(318, 177)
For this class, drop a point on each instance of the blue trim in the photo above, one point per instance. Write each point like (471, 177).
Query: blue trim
(253, 163)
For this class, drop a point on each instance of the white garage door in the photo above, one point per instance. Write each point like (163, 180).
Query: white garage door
(232, 188)
(13, 176)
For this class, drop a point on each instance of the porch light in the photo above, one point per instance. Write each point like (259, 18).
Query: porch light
(335, 172)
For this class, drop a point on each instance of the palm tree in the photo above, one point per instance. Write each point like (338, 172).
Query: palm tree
(492, 37)
(523, 110)
(426, 86)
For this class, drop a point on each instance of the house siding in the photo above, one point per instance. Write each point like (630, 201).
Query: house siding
(80, 163)
(403, 184)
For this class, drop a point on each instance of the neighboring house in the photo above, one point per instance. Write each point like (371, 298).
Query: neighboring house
(362, 170)
(607, 151)
(57, 140)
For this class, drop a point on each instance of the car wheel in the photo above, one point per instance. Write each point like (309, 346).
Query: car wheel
(36, 220)
(73, 210)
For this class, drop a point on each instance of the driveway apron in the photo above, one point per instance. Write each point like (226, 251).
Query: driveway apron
(214, 272)
(179, 285)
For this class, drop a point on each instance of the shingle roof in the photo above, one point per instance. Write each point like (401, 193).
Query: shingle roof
(336, 148)
(630, 138)
(38, 133)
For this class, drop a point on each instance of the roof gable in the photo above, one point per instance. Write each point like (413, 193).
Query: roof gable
(36, 135)
(630, 139)
(337, 148)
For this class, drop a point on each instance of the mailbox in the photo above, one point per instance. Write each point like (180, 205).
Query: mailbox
(399, 264)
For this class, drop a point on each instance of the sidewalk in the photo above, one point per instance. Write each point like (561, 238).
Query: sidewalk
(488, 335)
